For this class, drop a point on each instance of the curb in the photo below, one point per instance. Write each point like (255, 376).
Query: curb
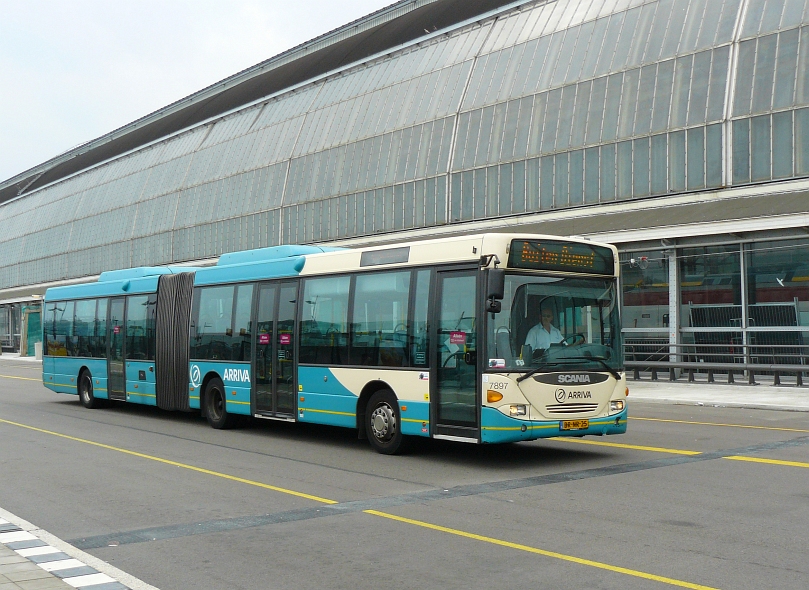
(75, 567)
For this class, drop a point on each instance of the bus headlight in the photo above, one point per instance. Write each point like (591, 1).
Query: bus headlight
(616, 405)
(517, 410)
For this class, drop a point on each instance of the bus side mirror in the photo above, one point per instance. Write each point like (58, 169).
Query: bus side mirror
(495, 289)
(495, 283)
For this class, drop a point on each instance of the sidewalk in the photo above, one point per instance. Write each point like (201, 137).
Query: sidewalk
(761, 396)
(33, 559)
(13, 356)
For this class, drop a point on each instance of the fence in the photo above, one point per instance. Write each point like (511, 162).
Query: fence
(748, 360)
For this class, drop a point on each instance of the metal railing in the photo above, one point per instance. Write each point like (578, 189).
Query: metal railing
(745, 360)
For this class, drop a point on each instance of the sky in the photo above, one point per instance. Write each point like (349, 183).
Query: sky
(73, 70)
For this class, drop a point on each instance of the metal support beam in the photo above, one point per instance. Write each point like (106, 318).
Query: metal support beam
(674, 306)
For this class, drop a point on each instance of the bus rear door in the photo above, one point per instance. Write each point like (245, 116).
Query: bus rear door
(116, 384)
(274, 371)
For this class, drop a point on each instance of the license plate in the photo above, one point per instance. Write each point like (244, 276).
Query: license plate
(574, 424)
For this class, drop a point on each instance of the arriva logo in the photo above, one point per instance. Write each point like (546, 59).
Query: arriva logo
(242, 375)
(585, 378)
(195, 375)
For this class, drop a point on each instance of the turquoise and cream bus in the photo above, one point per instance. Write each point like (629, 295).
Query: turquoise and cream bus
(484, 339)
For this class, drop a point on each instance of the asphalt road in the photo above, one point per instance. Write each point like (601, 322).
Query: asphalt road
(695, 497)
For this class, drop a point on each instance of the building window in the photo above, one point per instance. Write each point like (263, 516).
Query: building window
(777, 281)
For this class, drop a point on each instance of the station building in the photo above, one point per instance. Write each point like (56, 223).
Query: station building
(676, 129)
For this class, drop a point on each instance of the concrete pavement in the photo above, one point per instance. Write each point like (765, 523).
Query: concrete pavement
(32, 559)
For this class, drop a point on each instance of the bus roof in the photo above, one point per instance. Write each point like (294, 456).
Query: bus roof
(294, 260)
(127, 281)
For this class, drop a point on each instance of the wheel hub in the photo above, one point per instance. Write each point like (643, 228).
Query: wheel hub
(382, 422)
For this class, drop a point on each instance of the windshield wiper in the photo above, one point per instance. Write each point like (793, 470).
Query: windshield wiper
(598, 359)
(534, 371)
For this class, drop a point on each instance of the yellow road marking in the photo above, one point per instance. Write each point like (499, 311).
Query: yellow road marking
(553, 554)
(719, 424)
(176, 464)
(583, 441)
(562, 556)
(333, 412)
(23, 378)
(770, 461)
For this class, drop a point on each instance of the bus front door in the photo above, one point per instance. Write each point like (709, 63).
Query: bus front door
(454, 397)
(274, 359)
(116, 383)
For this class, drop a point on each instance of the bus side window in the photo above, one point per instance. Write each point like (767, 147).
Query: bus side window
(240, 340)
(324, 321)
(83, 327)
(419, 337)
(379, 321)
(213, 318)
(49, 330)
(140, 327)
(64, 329)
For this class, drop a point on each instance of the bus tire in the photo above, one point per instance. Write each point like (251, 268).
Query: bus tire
(85, 388)
(383, 424)
(216, 407)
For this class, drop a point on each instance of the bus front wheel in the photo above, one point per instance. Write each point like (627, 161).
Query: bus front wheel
(86, 396)
(215, 405)
(383, 423)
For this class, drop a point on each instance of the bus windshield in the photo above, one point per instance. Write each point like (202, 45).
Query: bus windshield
(555, 324)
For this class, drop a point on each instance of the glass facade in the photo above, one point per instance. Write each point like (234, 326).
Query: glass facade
(10, 326)
(544, 106)
(740, 302)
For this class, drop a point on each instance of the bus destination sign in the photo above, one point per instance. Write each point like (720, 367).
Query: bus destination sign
(560, 256)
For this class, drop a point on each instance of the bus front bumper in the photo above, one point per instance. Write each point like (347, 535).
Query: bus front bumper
(499, 428)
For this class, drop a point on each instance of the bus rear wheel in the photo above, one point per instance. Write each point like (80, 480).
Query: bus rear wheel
(86, 396)
(383, 423)
(216, 407)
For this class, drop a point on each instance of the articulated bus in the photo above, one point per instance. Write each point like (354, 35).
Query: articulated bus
(436, 338)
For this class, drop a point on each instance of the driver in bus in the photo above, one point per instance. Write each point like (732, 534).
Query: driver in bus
(544, 333)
